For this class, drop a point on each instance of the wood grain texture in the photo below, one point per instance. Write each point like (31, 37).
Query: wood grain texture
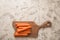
(35, 28)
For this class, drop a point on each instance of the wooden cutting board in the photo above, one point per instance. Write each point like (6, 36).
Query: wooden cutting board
(34, 27)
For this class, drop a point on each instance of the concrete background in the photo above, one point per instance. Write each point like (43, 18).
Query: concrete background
(38, 11)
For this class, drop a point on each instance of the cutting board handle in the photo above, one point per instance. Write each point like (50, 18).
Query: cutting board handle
(46, 24)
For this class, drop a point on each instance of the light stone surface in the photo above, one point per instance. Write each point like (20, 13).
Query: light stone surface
(38, 11)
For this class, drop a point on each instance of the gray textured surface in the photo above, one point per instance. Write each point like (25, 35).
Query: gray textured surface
(30, 10)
